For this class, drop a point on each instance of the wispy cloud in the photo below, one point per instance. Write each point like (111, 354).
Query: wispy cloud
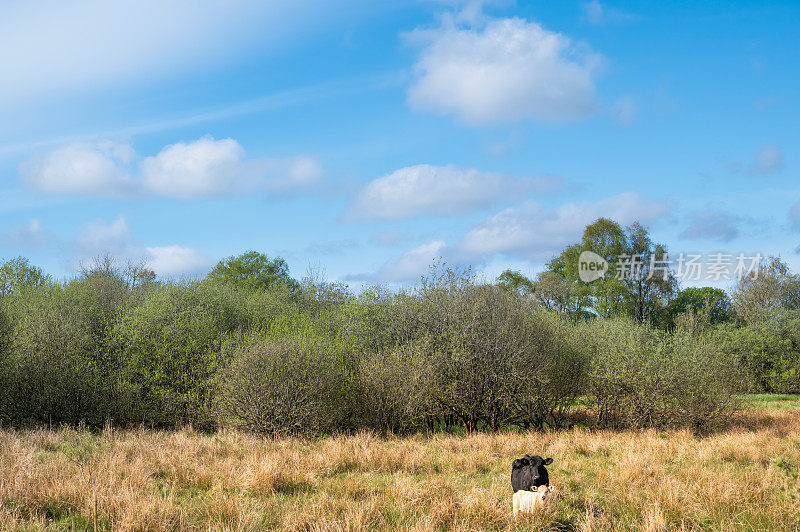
(50, 47)
(769, 160)
(624, 111)
(599, 14)
(31, 236)
(794, 215)
(278, 100)
(527, 232)
(713, 225)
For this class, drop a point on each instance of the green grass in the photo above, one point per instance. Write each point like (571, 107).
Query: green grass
(766, 401)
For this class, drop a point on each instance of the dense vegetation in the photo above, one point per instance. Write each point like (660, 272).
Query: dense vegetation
(251, 347)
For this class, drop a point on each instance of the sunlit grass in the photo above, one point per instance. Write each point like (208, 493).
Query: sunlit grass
(745, 478)
(774, 401)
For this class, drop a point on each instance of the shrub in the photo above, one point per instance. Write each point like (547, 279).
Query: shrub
(494, 361)
(170, 348)
(768, 350)
(647, 378)
(52, 369)
(396, 391)
(280, 388)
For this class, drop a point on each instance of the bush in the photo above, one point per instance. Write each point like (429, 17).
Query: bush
(281, 388)
(170, 348)
(769, 352)
(396, 391)
(53, 370)
(493, 361)
(647, 378)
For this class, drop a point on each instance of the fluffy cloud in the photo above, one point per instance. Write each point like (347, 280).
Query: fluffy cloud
(202, 168)
(502, 70)
(713, 225)
(82, 168)
(440, 190)
(527, 232)
(769, 160)
(176, 261)
(30, 236)
(115, 238)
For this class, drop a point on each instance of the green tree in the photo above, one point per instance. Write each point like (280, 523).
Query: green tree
(713, 303)
(252, 270)
(565, 266)
(642, 289)
(20, 273)
(767, 293)
(552, 292)
(652, 285)
(515, 282)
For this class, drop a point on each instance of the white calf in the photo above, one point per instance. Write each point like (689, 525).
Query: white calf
(529, 502)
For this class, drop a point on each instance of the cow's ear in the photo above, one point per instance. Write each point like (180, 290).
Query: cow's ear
(548, 461)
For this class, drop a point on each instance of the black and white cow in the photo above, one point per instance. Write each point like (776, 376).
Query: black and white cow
(529, 472)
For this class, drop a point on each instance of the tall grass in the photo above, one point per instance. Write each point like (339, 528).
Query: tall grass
(745, 478)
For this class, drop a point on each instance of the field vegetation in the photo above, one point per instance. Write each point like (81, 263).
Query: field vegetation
(742, 478)
(249, 399)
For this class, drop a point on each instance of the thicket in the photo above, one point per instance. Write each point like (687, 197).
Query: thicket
(313, 358)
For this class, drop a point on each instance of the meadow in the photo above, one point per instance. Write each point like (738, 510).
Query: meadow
(744, 477)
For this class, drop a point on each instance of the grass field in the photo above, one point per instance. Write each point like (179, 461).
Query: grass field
(745, 478)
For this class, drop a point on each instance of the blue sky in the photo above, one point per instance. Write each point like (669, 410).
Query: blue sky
(366, 139)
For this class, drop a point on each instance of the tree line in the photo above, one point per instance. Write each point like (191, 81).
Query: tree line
(249, 346)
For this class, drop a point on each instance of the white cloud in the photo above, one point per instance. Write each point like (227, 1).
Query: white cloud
(533, 232)
(769, 160)
(625, 111)
(528, 232)
(100, 237)
(503, 71)
(81, 168)
(441, 190)
(175, 261)
(713, 225)
(115, 238)
(294, 174)
(599, 14)
(31, 236)
(202, 168)
(412, 264)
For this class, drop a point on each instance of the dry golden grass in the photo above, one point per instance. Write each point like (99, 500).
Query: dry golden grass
(742, 479)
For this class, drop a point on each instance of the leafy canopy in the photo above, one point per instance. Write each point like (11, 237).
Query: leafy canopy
(252, 270)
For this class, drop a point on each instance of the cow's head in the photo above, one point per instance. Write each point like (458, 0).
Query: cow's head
(538, 470)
